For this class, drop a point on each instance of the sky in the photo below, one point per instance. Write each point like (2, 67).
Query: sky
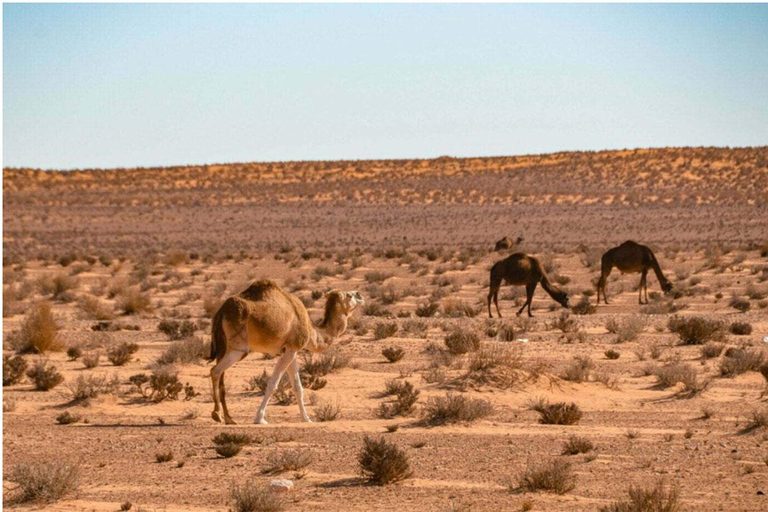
(119, 85)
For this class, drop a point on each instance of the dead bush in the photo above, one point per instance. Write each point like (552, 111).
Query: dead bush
(384, 330)
(211, 305)
(558, 413)
(453, 408)
(376, 309)
(457, 308)
(44, 376)
(576, 445)
(187, 351)
(289, 460)
(629, 328)
(232, 438)
(383, 463)
(87, 387)
(121, 354)
(393, 354)
(176, 330)
(228, 450)
(565, 323)
(13, 369)
(91, 359)
(164, 456)
(164, 383)
(253, 497)
(133, 301)
(67, 418)
(45, 481)
(658, 498)
(38, 331)
(497, 365)
(711, 349)
(95, 309)
(739, 304)
(579, 370)
(327, 411)
(427, 309)
(741, 360)
(462, 340)
(551, 476)
(740, 328)
(612, 354)
(584, 307)
(406, 397)
(696, 330)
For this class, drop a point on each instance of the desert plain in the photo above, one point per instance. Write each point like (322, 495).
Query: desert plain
(117, 273)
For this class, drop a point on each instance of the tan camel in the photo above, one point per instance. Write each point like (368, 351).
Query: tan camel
(265, 318)
(521, 269)
(507, 243)
(631, 258)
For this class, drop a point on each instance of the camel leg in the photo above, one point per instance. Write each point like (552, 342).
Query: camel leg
(643, 285)
(529, 289)
(217, 372)
(605, 271)
(490, 297)
(298, 389)
(496, 301)
(282, 365)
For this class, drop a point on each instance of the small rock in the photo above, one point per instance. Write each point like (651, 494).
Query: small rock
(281, 485)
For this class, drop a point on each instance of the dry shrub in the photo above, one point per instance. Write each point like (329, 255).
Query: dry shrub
(166, 456)
(550, 476)
(187, 351)
(376, 309)
(62, 285)
(133, 301)
(13, 369)
(74, 353)
(122, 353)
(457, 308)
(696, 330)
(416, 327)
(164, 383)
(95, 309)
(612, 354)
(211, 305)
(45, 481)
(462, 340)
(232, 438)
(393, 354)
(406, 397)
(741, 360)
(383, 463)
(253, 497)
(629, 328)
(87, 387)
(579, 370)
(176, 330)
(67, 418)
(91, 360)
(290, 460)
(384, 330)
(558, 413)
(39, 331)
(455, 408)
(497, 365)
(759, 419)
(739, 304)
(228, 450)
(9, 404)
(427, 309)
(711, 349)
(576, 445)
(506, 332)
(377, 277)
(327, 411)
(658, 498)
(672, 374)
(565, 323)
(740, 328)
(584, 307)
(44, 376)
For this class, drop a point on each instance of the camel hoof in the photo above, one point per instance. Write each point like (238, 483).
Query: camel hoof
(307, 420)
(216, 417)
(229, 421)
(261, 421)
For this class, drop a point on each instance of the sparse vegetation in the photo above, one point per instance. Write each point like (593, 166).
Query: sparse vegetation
(658, 498)
(453, 408)
(44, 376)
(558, 413)
(289, 460)
(462, 340)
(551, 476)
(382, 462)
(576, 445)
(696, 330)
(13, 369)
(45, 481)
(39, 332)
(122, 353)
(393, 354)
(253, 497)
(384, 330)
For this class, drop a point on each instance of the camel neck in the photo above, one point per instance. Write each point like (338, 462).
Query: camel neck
(328, 333)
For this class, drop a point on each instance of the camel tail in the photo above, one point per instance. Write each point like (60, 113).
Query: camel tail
(218, 338)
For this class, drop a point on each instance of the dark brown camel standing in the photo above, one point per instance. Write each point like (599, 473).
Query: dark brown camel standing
(507, 243)
(631, 258)
(521, 269)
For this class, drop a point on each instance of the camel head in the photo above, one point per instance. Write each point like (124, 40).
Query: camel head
(342, 302)
(561, 298)
(667, 287)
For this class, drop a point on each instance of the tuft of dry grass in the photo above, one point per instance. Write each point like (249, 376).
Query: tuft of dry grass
(327, 411)
(462, 340)
(122, 353)
(186, 351)
(86, 387)
(406, 397)
(740, 328)
(741, 360)
(393, 354)
(551, 476)
(496, 364)
(454, 409)
(290, 460)
(558, 413)
(13, 369)
(38, 331)
(696, 330)
(45, 481)
(67, 418)
(253, 497)
(383, 330)
(44, 376)
(658, 498)
(133, 301)
(228, 450)
(612, 354)
(382, 462)
(576, 445)
(579, 370)
(711, 349)
(165, 456)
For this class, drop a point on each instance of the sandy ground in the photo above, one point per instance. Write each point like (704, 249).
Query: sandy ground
(716, 465)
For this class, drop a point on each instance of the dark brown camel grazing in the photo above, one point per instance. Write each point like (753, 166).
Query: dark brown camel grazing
(631, 258)
(507, 243)
(521, 269)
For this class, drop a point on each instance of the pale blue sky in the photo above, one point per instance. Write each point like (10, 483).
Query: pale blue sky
(143, 85)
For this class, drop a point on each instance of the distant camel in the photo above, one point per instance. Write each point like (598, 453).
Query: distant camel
(507, 243)
(265, 318)
(521, 269)
(631, 258)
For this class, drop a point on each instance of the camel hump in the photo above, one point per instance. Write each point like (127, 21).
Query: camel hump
(259, 289)
(631, 244)
(506, 243)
